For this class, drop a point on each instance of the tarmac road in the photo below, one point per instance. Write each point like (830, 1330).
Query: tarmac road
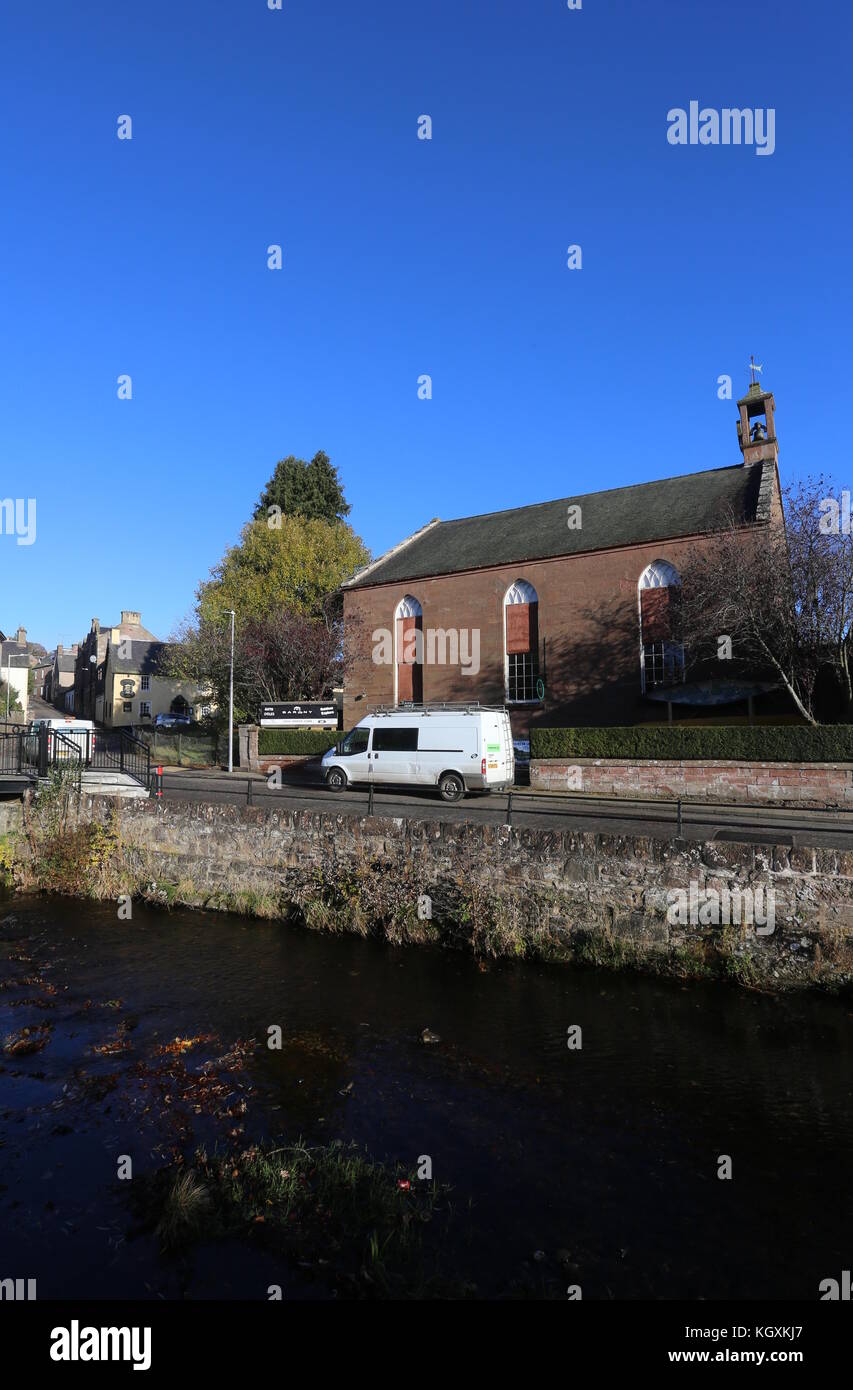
(543, 810)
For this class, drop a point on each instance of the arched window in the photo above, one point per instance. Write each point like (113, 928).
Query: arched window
(661, 647)
(409, 656)
(521, 642)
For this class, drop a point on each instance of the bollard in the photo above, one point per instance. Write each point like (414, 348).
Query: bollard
(509, 808)
(370, 800)
(678, 832)
(249, 792)
(158, 772)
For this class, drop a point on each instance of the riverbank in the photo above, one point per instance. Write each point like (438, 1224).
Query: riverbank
(573, 1120)
(696, 910)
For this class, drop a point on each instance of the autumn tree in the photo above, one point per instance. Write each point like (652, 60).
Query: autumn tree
(285, 655)
(783, 596)
(294, 564)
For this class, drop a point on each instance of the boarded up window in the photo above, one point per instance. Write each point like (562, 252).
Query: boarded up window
(521, 628)
(407, 640)
(659, 614)
(410, 682)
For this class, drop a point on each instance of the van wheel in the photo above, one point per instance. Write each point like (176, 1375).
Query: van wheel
(336, 779)
(451, 787)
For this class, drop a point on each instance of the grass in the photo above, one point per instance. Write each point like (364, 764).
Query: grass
(366, 1229)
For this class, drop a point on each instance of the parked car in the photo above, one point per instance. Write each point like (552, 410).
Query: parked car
(457, 750)
(80, 732)
(168, 721)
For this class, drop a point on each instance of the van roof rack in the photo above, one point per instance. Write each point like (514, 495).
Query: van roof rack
(437, 706)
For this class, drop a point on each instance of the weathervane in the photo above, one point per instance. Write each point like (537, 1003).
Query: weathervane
(754, 367)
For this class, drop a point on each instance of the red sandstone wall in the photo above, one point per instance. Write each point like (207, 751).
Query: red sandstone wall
(587, 618)
(781, 784)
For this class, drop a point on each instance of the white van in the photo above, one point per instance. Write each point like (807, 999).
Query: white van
(455, 748)
(79, 732)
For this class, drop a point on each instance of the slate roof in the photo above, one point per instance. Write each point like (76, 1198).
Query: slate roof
(684, 506)
(143, 658)
(15, 652)
(132, 631)
(68, 662)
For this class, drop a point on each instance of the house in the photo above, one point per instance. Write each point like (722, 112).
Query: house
(515, 607)
(60, 678)
(89, 662)
(16, 660)
(42, 674)
(133, 691)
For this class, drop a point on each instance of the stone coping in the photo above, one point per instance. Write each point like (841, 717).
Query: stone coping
(566, 758)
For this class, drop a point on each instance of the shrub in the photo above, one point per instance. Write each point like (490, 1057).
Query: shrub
(787, 743)
(293, 742)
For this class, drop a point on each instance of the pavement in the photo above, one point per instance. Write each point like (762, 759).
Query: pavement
(793, 828)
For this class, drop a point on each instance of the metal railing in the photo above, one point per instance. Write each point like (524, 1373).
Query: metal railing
(116, 750)
(12, 752)
(65, 755)
(33, 752)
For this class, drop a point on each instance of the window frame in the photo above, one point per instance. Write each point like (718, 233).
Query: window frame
(531, 595)
(657, 570)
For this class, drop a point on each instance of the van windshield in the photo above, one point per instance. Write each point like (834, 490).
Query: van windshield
(356, 741)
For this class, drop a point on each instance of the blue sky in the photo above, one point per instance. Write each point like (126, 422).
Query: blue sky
(401, 257)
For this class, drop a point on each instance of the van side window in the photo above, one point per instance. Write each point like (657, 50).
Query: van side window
(395, 740)
(356, 741)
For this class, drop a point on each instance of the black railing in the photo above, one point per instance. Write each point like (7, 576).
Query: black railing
(116, 750)
(35, 752)
(66, 756)
(12, 752)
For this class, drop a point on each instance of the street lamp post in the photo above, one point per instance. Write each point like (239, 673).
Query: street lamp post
(231, 701)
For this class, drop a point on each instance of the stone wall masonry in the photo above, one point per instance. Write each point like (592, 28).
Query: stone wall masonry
(760, 784)
(561, 895)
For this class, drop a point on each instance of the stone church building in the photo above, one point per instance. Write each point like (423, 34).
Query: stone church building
(559, 610)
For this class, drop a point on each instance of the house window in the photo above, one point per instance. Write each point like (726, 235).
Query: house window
(146, 682)
(521, 642)
(127, 707)
(661, 648)
(408, 657)
(145, 709)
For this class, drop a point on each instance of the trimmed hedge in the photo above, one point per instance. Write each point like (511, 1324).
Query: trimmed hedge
(296, 742)
(785, 743)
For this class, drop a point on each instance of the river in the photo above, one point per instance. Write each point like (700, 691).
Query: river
(594, 1166)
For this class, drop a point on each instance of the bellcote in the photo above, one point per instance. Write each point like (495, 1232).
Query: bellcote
(756, 429)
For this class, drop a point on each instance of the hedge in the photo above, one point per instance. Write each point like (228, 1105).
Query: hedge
(791, 743)
(294, 742)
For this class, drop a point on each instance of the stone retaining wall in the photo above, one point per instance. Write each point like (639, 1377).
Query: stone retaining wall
(778, 784)
(557, 894)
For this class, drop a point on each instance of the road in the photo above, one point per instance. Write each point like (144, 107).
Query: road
(40, 709)
(541, 810)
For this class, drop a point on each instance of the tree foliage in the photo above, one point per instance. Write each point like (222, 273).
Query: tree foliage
(298, 488)
(285, 655)
(784, 595)
(297, 565)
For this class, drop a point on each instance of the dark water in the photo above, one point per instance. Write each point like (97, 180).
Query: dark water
(609, 1153)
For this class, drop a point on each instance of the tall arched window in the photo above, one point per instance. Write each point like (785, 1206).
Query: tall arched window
(661, 647)
(521, 637)
(409, 655)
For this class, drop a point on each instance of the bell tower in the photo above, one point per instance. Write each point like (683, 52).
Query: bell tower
(756, 429)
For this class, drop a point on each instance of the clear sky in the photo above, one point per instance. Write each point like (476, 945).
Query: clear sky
(402, 257)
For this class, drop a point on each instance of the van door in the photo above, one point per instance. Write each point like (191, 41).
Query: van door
(395, 752)
(354, 755)
(497, 749)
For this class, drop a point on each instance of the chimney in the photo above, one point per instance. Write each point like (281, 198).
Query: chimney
(21, 638)
(130, 618)
(96, 626)
(59, 649)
